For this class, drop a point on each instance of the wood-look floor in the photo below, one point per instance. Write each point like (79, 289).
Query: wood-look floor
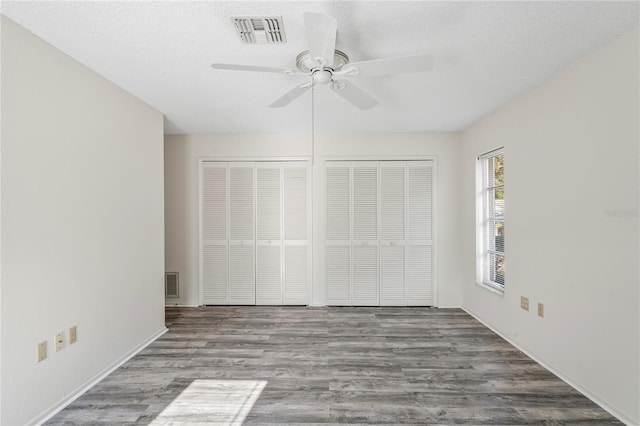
(281, 365)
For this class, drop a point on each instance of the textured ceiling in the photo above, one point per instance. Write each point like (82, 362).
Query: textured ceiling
(487, 53)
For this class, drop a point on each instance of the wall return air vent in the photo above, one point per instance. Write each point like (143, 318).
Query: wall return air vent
(260, 30)
(171, 284)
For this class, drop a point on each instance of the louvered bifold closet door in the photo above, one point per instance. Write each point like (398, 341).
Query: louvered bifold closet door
(420, 233)
(365, 233)
(392, 233)
(338, 239)
(215, 283)
(296, 233)
(241, 233)
(268, 234)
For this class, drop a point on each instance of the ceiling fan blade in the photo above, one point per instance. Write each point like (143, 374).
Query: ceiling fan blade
(353, 94)
(321, 31)
(397, 65)
(290, 96)
(236, 67)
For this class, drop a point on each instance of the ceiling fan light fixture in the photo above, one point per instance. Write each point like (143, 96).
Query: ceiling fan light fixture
(322, 76)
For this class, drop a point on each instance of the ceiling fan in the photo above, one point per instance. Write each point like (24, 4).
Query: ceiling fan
(323, 63)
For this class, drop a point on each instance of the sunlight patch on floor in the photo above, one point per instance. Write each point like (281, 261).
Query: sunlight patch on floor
(220, 402)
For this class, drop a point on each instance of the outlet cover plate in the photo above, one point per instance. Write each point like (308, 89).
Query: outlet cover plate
(540, 310)
(59, 341)
(42, 351)
(524, 303)
(73, 334)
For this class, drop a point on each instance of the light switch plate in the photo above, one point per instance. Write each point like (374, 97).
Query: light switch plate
(540, 310)
(73, 334)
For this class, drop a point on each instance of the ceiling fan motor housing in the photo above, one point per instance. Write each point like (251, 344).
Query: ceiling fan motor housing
(307, 64)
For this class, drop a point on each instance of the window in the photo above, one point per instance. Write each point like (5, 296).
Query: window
(492, 229)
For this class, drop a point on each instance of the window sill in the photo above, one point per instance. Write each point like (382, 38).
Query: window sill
(492, 288)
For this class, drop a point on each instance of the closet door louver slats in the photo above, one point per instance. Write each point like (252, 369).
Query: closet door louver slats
(419, 202)
(241, 201)
(241, 234)
(338, 258)
(268, 201)
(392, 200)
(420, 218)
(420, 288)
(214, 234)
(365, 233)
(392, 233)
(338, 203)
(392, 276)
(296, 273)
(214, 202)
(215, 274)
(268, 275)
(255, 233)
(379, 238)
(365, 275)
(268, 244)
(295, 202)
(338, 272)
(296, 234)
(241, 275)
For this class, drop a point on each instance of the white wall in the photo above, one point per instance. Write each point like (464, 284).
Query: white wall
(1, 133)
(181, 198)
(571, 158)
(82, 221)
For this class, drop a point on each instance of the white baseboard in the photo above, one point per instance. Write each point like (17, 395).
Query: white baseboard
(583, 390)
(323, 305)
(182, 306)
(60, 405)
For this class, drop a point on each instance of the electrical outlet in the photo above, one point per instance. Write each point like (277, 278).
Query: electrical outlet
(73, 334)
(524, 303)
(540, 310)
(42, 351)
(59, 341)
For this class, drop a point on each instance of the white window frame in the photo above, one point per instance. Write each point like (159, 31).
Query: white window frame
(484, 248)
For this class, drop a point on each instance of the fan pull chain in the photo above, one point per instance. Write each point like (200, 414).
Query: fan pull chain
(313, 130)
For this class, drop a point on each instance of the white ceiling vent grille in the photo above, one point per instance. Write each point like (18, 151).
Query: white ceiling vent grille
(260, 30)
(171, 284)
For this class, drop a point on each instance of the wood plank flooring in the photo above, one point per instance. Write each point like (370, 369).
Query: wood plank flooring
(296, 365)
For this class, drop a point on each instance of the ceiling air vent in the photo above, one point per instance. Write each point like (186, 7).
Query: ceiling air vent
(260, 30)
